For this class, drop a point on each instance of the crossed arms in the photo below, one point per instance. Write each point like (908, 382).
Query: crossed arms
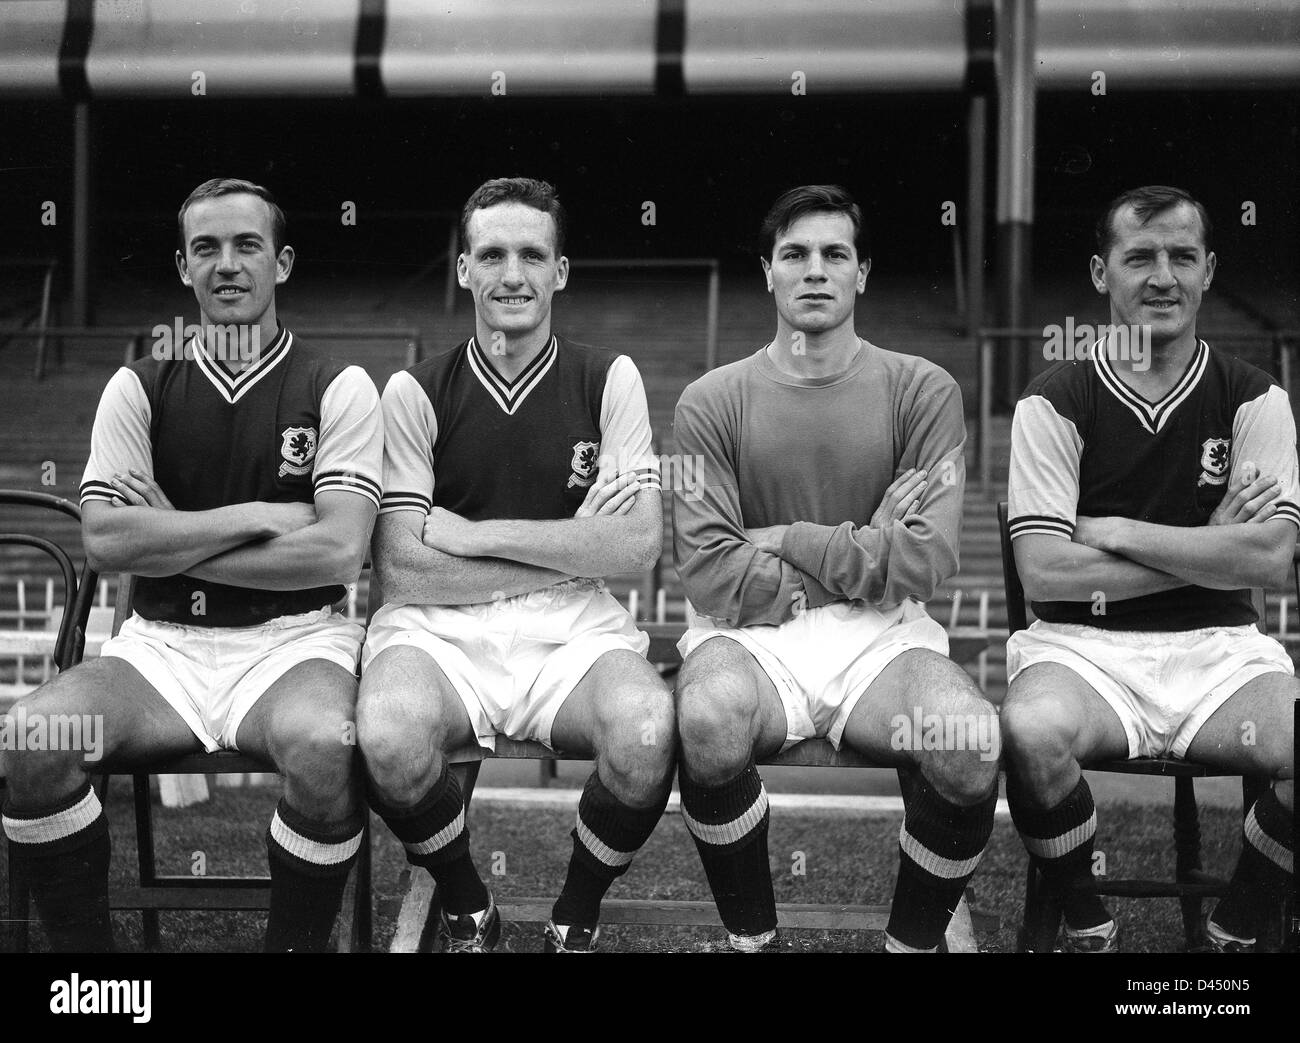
(265, 546)
(746, 575)
(130, 524)
(1243, 545)
(1247, 542)
(444, 559)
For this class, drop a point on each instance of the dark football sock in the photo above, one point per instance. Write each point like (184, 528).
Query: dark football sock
(940, 845)
(435, 836)
(63, 852)
(1264, 869)
(1060, 840)
(729, 823)
(310, 862)
(607, 836)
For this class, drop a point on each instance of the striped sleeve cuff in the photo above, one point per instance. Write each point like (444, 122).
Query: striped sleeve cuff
(93, 490)
(348, 481)
(1288, 510)
(648, 478)
(1043, 524)
(405, 501)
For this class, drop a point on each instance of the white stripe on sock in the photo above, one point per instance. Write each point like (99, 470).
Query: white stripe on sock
(442, 838)
(600, 849)
(932, 863)
(54, 827)
(1056, 847)
(309, 850)
(1267, 845)
(729, 832)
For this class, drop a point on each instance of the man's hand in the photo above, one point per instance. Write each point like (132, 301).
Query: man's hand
(612, 498)
(767, 538)
(899, 501)
(900, 498)
(138, 490)
(1249, 498)
(449, 533)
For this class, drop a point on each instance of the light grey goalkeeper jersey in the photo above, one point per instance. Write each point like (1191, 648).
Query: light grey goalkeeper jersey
(818, 455)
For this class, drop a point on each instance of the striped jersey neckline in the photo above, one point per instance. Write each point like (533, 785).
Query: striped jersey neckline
(234, 386)
(510, 394)
(1153, 415)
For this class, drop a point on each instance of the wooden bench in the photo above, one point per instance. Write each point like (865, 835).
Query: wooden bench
(418, 908)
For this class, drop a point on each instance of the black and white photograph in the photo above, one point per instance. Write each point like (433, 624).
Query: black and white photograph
(649, 477)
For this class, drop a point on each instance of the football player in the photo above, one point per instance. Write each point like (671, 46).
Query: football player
(517, 472)
(1147, 495)
(237, 476)
(830, 504)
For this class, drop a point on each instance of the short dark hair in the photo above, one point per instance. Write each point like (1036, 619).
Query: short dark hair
(808, 199)
(540, 195)
(229, 186)
(1147, 202)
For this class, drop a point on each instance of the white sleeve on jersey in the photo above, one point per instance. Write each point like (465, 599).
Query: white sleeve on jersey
(1263, 434)
(625, 439)
(119, 440)
(410, 430)
(1043, 480)
(350, 454)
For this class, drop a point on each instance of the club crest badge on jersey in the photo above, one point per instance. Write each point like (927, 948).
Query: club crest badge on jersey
(1214, 461)
(583, 464)
(298, 447)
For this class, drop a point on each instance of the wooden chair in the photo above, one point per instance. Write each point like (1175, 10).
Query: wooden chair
(161, 891)
(1042, 916)
(78, 597)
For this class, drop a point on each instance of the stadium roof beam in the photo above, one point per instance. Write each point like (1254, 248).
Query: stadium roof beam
(85, 49)
(345, 48)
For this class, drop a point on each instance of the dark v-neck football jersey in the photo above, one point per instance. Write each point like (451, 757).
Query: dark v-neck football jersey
(1086, 444)
(289, 425)
(458, 435)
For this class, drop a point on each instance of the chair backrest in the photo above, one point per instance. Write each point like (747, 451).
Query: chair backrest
(79, 593)
(122, 607)
(374, 595)
(1016, 617)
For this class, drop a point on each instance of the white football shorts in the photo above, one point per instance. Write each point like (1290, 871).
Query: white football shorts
(1163, 685)
(514, 661)
(212, 676)
(824, 659)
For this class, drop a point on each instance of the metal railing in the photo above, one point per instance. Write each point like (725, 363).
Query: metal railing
(136, 338)
(710, 264)
(42, 314)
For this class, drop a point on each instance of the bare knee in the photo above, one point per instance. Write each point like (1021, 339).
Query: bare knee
(399, 757)
(965, 776)
(963, 763)
(315, 755)
(636, 743)
(38, 766)
(717, 721)
(1038, 743)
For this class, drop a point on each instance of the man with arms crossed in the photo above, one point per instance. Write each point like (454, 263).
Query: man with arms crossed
(832, 490)
(1144, 502)
(517, 471)
(240, 487)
